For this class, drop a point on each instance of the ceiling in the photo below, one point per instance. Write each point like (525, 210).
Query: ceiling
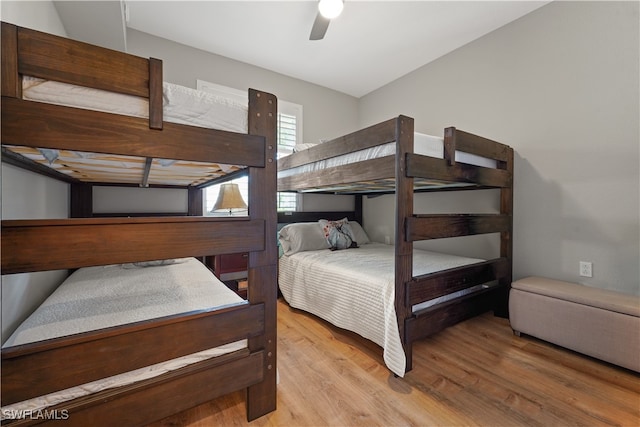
(369, 45)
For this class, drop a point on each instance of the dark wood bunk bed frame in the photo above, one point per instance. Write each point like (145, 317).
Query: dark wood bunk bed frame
(37, 245)
(402, 171)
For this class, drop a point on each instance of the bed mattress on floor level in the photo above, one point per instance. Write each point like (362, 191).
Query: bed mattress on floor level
(354, 289)
(99, 297)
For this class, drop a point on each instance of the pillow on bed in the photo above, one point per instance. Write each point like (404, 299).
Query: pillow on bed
(358, 233)
(301, 147)
(339, 234)
(154, 263)
(302, 236)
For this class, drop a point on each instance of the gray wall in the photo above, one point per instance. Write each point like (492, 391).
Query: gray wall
(559, 85)
(326, 114)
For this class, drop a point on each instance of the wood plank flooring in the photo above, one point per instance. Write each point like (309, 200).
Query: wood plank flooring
(476, 373)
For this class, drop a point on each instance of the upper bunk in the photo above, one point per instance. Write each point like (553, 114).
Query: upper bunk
(93, 146)
(96, 115)
(369, 160)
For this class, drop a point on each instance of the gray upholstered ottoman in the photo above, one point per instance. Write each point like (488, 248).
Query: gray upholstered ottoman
(596, 322)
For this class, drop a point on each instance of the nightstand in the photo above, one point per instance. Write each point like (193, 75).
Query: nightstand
(232, 270)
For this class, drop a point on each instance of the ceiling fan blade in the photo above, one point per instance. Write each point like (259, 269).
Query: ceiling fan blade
(319, 28)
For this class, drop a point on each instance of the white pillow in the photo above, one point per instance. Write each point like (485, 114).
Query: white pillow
(302, 236)
(359, 234)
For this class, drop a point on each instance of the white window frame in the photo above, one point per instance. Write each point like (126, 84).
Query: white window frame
(284, 107)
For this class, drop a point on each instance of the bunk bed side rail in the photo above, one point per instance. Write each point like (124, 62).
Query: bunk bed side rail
(429, 286)
(439, 226)
(30, 245)
(455, 139)
(36, 54)
(57, 58)
(47, 363)
(339, 175)
(371, 136)
(419, 166)
(39, 125)
(439, 317)
(133, 405)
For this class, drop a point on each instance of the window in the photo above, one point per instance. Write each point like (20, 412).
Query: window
(289, 133)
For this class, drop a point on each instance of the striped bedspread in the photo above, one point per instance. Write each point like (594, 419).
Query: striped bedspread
(354, 290)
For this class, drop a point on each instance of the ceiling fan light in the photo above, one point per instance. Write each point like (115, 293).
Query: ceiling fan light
(330, 8)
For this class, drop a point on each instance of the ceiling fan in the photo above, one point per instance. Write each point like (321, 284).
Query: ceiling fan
(327, 10)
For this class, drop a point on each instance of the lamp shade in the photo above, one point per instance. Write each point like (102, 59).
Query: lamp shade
(229, 198)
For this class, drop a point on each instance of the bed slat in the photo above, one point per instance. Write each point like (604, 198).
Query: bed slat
(438, 226)
(40, 368)
(31, 245)
(35, 124)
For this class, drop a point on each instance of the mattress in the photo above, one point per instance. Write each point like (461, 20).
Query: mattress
(181, 105)
(426, 145)
(354, 289)
(100, 297)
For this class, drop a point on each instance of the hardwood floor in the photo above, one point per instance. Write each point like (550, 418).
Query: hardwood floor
(475, 373)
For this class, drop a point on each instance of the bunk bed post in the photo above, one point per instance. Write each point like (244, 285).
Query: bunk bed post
(10, 79)
(403, 247)
(81, 200)
(358, 208)
(263, 110)
(155, 94)
(195, 200)
(506, 237)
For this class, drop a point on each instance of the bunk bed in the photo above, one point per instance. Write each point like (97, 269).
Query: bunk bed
(382, 159)
(127, 148)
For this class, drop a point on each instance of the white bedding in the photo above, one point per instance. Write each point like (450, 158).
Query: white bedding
(354, 290)
(426, 145)
(100, 297)
(181, 104)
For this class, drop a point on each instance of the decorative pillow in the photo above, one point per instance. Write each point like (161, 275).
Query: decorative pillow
(358, 233)
(339, 234)
(302, 236)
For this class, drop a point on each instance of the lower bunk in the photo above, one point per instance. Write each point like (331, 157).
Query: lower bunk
(79, 356)
(354, 288)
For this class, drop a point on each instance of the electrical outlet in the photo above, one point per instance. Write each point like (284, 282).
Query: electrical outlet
(586, 269)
